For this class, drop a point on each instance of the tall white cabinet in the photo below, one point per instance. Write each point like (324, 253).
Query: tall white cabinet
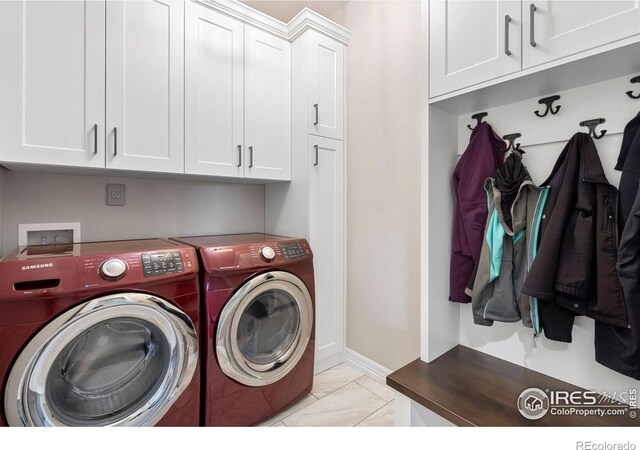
(313, 204)
(52, 82)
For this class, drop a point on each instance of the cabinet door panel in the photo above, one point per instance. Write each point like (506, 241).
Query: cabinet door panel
(327, 87)
(145, 85)
(52, 82)
(563, 28)
(468, 42)
(326, 237)
(267, 106)
(214, 103)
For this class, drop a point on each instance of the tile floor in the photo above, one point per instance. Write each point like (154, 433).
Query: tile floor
(341, 397)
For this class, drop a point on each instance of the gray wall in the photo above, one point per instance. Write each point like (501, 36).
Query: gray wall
(383, 179)
(154, 207)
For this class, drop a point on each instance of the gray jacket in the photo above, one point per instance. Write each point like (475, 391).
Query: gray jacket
(506, 257)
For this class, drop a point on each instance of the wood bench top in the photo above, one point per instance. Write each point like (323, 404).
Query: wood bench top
(471, 388)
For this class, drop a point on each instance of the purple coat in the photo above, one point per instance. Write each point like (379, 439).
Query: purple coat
(481, 159)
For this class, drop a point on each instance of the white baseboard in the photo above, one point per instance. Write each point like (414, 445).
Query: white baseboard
(367, 366)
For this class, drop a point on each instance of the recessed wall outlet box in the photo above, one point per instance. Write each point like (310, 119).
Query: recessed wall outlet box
(115, 194)
(45, 234)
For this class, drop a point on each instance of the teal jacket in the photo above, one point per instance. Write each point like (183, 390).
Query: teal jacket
(506, 257)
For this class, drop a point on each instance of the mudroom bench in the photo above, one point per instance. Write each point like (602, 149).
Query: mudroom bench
(465, 387)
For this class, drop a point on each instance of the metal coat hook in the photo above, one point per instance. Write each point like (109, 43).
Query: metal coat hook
(592, 124)
(549, 102)
(630, 93)
(478, 117)
(513, 146)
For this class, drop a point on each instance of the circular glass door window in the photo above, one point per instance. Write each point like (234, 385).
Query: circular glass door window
(107, 372)
(268, 327)
(264, 329)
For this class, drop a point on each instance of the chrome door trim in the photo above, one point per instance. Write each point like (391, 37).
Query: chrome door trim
(230, 358)
(25, 401)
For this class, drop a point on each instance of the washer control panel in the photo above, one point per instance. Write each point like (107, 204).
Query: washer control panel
(161, 263)
(292, 250)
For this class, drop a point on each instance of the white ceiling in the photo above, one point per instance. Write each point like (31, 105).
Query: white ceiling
(285, 10)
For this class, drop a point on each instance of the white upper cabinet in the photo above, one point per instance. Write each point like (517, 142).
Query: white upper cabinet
(555, 29)
(145, 85)
(472, 42)
(267, 117)
(52, 69)
(214, 104)
(326, 62)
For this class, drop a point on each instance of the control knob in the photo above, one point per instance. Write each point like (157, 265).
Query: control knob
(267, 253)
(113, 269)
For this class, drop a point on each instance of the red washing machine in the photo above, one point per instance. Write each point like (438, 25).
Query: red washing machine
(258, 332)
(100, 334)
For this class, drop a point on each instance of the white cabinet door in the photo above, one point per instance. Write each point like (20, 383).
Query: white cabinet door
(472, 42)
(52, 82)
(563, 28)
(327, 87)
(145, 85)
(214, 103)
(326, 237)
(267, 106)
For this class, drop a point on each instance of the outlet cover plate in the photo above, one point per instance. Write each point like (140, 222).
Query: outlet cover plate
(115, 194)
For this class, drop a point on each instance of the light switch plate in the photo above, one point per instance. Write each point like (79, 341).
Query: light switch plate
(115, 194)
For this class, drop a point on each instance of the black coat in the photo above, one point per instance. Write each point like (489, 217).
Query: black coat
(574, 271)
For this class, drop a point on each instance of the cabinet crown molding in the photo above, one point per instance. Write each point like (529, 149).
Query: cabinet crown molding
(304, 20)
(309, 19)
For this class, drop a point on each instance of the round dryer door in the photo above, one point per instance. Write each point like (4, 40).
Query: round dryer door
(264, 329)
(114, 361)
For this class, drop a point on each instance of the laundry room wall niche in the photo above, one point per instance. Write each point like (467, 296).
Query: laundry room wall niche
(542, 139)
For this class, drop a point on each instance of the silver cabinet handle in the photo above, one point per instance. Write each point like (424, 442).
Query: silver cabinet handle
(250, 156)
(239, 155)
(532, 24)
(507, 19)
(95, 139)
(315, 106)
(315, 147)
(115, 141)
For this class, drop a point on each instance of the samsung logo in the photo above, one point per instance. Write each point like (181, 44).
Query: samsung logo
(221, 250)
(37, 266)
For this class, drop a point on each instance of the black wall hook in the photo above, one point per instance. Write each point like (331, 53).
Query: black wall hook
(630, 93)
(549, 102)
(478, 118)
(592, 124)
(513, 146)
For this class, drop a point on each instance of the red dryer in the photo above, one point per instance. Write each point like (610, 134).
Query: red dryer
(100, 334)
(258, 329)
